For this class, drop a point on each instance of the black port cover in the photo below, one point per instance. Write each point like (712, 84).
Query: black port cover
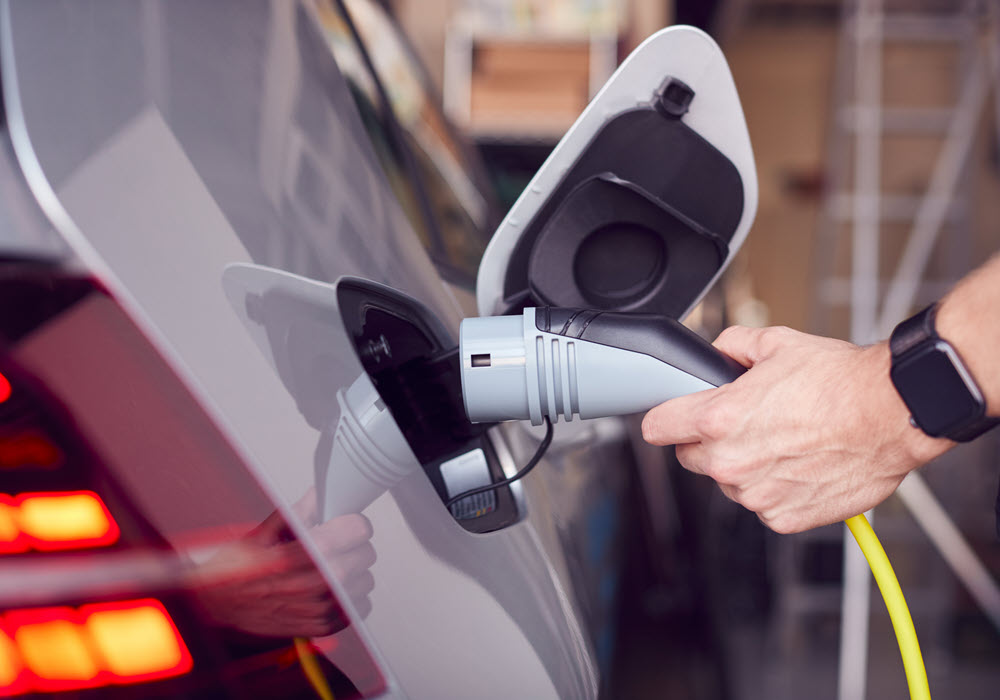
(612, 245)
(640, 222)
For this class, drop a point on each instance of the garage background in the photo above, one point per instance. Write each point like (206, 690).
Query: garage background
(874, 127)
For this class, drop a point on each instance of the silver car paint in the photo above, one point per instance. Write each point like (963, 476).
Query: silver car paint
(173, 136)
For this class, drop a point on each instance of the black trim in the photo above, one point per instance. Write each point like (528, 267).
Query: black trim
(400, 141)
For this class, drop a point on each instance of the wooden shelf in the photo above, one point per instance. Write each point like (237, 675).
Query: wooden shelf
(504, 85)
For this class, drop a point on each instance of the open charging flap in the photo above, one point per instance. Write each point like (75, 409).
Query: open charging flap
(643, 202)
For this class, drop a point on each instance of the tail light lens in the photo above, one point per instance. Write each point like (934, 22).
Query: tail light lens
(26, 450)
(64, 648)
(68, 520)
(10, 530)
(12, 681)
(52, 650)
(137, 640)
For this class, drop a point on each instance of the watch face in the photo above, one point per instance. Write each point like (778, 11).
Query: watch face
(937, 389)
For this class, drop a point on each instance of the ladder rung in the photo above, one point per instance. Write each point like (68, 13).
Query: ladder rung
(904, 120)
(801, 597)
(836, 291)
(892, 208)
(924, 600)
(930, 28)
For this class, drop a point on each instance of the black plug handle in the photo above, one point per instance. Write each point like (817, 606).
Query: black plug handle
(657, 336)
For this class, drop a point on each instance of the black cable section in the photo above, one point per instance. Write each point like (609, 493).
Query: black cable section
(523, 472)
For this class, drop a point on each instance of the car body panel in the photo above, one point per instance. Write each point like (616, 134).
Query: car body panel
(169, 140)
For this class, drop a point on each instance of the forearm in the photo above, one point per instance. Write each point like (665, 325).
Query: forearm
(969, 319)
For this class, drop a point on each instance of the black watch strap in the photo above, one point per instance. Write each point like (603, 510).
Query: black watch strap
(919, 329)
(913, 331)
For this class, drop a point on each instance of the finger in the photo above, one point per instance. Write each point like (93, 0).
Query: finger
(302, 611)
(676, 421)
(748, 346)
(353, 562)
(321, 626)
(306, 507)
(362, 607)
(308, 586)
(360, 585)
(692, 457)
(343, 533)
(730, 492)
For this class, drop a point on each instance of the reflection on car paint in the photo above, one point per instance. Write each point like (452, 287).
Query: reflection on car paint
(124, 493)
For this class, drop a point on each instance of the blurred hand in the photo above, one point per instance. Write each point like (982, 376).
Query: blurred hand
(812, 434)
(344, 541)
(266, 584)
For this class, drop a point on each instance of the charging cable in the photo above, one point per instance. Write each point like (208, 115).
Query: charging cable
(312, 670)
(899, 613)
(523, 472)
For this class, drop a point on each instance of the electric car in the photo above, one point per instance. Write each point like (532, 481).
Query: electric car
(237, 241)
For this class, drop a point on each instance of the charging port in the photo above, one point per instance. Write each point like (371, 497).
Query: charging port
(413, 362)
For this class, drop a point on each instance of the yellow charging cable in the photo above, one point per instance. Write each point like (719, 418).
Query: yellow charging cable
(311, 667)
(899, 613)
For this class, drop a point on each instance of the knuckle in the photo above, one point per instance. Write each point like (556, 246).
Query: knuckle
(353, 529)
(730, 492)
(751, 501)
(362, 607)
(731, 332)
(727, 472)
(770, 339)
(369, 556)
(782, 524)
(361, 585)
(715, 420)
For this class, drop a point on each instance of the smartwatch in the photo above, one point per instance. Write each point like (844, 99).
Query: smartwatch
(943, 397)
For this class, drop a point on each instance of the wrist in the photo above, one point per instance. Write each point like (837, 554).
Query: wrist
(893, 416)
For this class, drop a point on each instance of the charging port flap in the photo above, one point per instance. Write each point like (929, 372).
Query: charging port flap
(643, 202)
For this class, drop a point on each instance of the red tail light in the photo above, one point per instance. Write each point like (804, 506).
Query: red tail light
(28, 449)
(48, 649)
(10, 532)
(137, 640)
(53, 521)
(12, 678)
(4, 389)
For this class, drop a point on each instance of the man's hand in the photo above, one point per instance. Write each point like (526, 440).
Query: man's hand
(812, 434)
